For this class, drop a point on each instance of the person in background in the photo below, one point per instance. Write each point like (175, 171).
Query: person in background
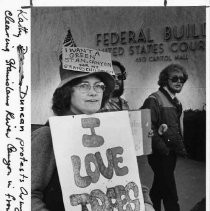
(167, 142)
(116, 102)
(78, 93)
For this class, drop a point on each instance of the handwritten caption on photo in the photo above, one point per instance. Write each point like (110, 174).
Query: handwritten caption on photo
(15, 110)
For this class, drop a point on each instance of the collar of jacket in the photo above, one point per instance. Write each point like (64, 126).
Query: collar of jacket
(161, 89)
(177, 105)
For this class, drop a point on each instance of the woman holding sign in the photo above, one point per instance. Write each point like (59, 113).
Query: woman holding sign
(78, 93)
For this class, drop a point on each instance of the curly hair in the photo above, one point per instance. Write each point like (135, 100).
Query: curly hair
(61, 100)
(165, 73)
(118, 64)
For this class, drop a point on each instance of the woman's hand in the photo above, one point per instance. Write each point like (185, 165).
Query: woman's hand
(149, 207)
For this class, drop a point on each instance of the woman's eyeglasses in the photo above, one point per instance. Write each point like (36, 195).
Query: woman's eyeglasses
(120, 76)
(176, 79)
(85, 87)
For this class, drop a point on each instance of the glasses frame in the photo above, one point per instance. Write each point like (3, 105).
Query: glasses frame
(88, 87)
(175, 79)
(120, 76)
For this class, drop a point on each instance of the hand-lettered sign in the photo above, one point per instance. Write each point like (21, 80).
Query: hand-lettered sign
(96, 162)
(86, 60)
(141, 127)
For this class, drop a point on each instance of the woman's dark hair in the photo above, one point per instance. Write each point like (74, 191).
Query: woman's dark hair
(165, 73)
(61, 100)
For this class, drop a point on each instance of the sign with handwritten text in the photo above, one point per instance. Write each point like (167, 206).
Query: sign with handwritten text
(86, 60)
(140, 121)
(15, 107)
(96, 162)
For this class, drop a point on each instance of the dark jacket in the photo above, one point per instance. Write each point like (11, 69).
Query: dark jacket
(165, 110)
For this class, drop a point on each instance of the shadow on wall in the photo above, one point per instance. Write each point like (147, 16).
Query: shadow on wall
(195, 134)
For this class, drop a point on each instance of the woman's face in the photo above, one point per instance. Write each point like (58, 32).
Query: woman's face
(84, 101)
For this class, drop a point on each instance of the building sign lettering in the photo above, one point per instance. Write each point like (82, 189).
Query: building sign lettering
(175, 43)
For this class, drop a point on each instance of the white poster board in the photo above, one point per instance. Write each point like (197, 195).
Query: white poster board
(141, 126)
(96, 162)
(86, 60)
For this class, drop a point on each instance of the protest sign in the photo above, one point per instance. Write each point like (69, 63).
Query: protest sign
(86, 60)
(96, 162)
(141, 126)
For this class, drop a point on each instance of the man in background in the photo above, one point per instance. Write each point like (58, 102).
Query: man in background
(167, 142)
(116, 102)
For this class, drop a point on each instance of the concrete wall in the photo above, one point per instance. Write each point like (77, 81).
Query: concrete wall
(148, 24)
